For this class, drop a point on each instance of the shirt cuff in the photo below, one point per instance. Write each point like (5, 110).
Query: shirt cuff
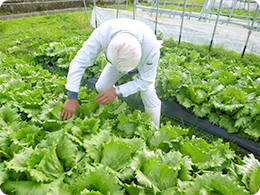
(72, 95)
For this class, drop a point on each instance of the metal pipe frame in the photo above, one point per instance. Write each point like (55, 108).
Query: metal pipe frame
(211, 5)
(134, 9)
(232, 10)
(95, 13)
(117, 10)
(156, 18)
(163, 7)
(215, 27)
(183, 12)
(191, 9)
(203, 10)
(250, 31)
(86, 11)
(153, 6)
(171, 8)
(177, 8)
(212, 10)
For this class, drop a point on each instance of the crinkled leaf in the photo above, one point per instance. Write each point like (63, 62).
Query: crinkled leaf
(5, 141)
(214, 118)
(202, 110)
(92, 192)
(134, 189)
(198, 94)
(66, 151)
(3, 173)
(116, 155)
(38, 176)
(250, 172)
(24, 187)
(146, 182)
(165, 134)
(184, 101)
(9, 114)
(33, 188)
(225, 107)
(227, 123)
(89, 125)
(98, 179)
(243, 121)
(50, 164)
(18, 163)
(205, 155)
(56, 110)
(160, 175)
(253, 130)
(93, 145)
(215, 183)
(136, 143)
(2, 122)
(176, 159)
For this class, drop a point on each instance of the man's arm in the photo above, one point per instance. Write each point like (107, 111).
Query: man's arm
(84, 58)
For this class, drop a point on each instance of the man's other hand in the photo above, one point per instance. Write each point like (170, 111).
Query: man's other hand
(106, 96)
(69, 109)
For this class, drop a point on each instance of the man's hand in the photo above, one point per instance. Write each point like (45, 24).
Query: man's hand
(106, 96)
(69, 109)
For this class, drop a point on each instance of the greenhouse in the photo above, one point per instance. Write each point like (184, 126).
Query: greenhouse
(207, 79)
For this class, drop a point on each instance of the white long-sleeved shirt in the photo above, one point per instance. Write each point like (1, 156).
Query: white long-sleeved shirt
(99, 41)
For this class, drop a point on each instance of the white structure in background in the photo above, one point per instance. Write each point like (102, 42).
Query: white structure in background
(1, 2)
(242, 4)
(196, 28)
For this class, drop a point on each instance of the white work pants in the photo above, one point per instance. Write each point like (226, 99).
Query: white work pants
(152, 104)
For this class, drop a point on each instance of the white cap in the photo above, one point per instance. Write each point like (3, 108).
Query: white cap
(124, 52)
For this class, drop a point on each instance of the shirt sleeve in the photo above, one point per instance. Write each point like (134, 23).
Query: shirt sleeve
(85, 57)
(146, 75)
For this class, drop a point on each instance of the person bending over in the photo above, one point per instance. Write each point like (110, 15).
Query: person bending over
(130, 47)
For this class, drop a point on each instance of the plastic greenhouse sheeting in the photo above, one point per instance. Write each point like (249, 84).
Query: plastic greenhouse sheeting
(231, 37)
(180, 116)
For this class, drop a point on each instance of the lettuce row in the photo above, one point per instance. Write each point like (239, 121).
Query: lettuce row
(226, 92)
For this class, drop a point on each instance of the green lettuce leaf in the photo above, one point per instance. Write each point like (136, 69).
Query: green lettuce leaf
(198, 94)
(50, 164)
(3, 173)
(92, 192)
(176, 159)
(250, 172)
(18, 163)
(9, 114)
(67, 151)
(32, 188)
(215, 183)
(228, 123)
(134, 189)
(116, 155)
(205, 155)
(166, 134)
(98, 179)
(157, 176)
(93, 145)
(253, 130)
